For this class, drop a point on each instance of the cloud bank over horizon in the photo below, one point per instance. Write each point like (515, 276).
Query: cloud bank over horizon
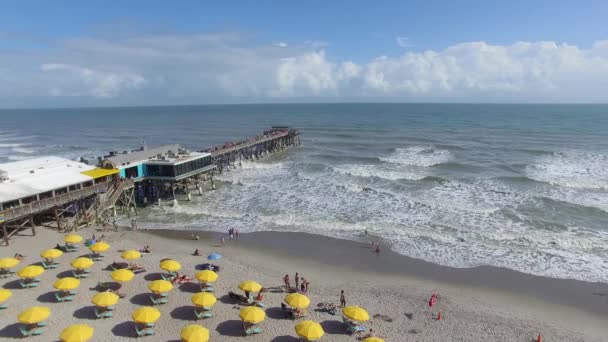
(227, 67)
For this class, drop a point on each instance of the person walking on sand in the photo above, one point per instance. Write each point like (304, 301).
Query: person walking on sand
(342, 299)
(286, 281)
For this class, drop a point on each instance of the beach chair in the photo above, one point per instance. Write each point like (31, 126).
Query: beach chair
(62, 299)
(33, 332)
(103, 314)
(3, 306)
(49, 265)
(167, 277)
(140, 332)
(80, 274)
(29, 284)
(202, 314)
(157, 301)
(207, 288)
(41, 324)
(71, 248)
(253, 330)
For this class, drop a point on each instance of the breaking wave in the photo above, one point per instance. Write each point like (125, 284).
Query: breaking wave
(572, 169)
(424, 156)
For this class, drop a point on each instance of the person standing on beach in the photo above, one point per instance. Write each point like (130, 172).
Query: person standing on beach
(236, 234)
(286, 281)
(297, 279)
(342, 299)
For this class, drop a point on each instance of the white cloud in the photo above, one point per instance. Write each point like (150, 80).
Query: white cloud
(280, 44)
(100, 84)
(403, 42)
(200, 68)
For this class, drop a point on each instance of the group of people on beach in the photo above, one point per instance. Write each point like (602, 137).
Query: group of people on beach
(301, 284)
(233, 234)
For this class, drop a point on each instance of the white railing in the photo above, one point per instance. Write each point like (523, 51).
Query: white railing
(56, 201)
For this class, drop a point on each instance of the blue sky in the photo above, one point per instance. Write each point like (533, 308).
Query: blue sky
(111, 53)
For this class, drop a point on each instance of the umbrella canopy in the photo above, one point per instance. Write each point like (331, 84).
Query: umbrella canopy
(372, 339)
(355, 313)
(250, 286)
(35, 314)
(4, 295)
(252, 314)
(105, 299)
(146, 314)
(170, 265)
(31, 271)
(99, 247)
(67, 283)
(72, 238)
(297, 300)
(194, 333)
(51, 253)
(9, 262)
(206, 276)
(310, 330)
(82, 263)
(130, 254)
(160, 286)
(204, 299)
(122, 275)
(214, 256)
(77, 333)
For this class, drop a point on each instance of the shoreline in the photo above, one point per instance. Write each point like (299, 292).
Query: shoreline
(341, 253)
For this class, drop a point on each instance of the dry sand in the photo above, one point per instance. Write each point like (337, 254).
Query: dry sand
(469, 313)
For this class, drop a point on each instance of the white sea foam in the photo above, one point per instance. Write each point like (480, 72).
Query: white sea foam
(381, 171)
(424, 156)
(23, 150)
(575, 169)
(454, 223)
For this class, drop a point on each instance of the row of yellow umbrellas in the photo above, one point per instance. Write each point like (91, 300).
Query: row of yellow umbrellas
(74, 333)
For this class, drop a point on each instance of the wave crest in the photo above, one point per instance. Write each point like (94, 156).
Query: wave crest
(424, 156)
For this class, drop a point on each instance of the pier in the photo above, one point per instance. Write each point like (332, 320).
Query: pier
(67, 195)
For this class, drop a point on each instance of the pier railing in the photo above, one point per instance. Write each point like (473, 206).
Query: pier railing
(56, 201)
(248, 143)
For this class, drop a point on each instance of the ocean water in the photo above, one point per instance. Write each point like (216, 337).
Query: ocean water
(517, 186)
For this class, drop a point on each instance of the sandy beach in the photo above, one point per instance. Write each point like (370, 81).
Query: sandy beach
(479, 304)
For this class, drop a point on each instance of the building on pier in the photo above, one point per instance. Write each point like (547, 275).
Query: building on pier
(160, 171)
(51, 190)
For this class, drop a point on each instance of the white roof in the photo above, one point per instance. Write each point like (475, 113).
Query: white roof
(179, 159)
(49, 173)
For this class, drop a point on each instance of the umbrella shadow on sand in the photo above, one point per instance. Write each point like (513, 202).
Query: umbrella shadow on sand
(141, 299)
(87, 312)
(185, 313)
(153, 276)
(124, 329)
(11, 330)
(285, 338)
(190, 287)
(48, 297)
(276, 313)
(230, 328)
(12, 285)
(65, 274)
(334, 327)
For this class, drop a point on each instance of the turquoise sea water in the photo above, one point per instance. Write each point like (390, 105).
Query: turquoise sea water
(518, 186)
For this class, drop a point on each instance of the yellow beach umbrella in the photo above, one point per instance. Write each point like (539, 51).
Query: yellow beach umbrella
(204, 299)
(35, 314)
(170, 265)
(122, 275)
(77, 333)
(4, 295)
(310, 330)
(99, 247)
(130, 254)
(9, 262)
(72, 238)
(372, 339)
(82, 263)
(252, 314)
(52, 253)
(297, 300)
(206, 276)
(160, 286)
(30, 271)
(146, 314)
(67, 283)
(105, 299)
(194, 333)
(355, 313)
(250, 286)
